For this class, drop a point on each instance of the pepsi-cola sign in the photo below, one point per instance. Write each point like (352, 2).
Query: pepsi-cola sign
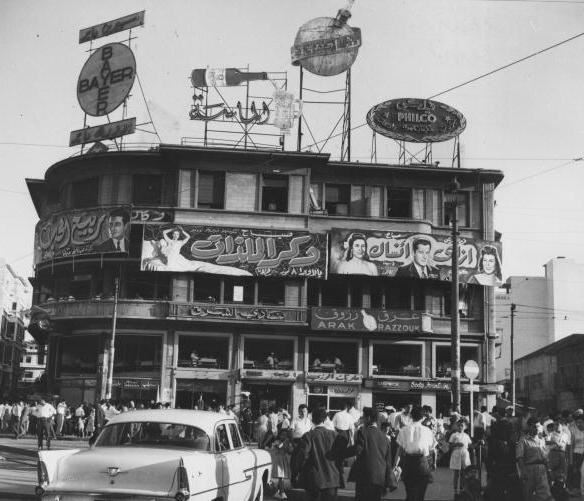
(416, 120)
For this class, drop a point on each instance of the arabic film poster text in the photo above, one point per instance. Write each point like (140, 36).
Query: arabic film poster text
(258, 252)
(392, 252)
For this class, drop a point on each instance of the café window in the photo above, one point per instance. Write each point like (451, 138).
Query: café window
(207, 289)
(78, 355)
(135, 353)
(338, 199)
(398, 359)
(147, 189)
(211, 190)
(399, 202)
(84, 193)
(239, 291)
(275, 193)
(462, 210)
(271, 292)
(443, 360)
(264, 353)
(333, 357)
(203, 352)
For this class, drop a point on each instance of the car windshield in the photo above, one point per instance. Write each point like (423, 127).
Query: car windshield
(148, 434)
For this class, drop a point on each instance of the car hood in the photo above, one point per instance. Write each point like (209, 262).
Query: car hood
(132, 470)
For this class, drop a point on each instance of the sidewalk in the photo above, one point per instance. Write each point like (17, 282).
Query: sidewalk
(18, 473)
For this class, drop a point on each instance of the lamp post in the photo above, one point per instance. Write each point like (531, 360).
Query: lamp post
(451, 203)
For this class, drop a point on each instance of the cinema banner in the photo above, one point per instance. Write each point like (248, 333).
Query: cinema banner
(413, 255)
(78, 232)
(234, 251)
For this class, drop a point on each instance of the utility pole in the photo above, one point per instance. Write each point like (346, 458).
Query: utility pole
(112, 346)
(512, 370)
(452, 203)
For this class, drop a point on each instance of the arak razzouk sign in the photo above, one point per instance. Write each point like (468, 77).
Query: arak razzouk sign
(105, 81)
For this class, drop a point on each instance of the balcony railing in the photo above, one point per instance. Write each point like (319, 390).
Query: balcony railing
(442, 325)
(103, 308)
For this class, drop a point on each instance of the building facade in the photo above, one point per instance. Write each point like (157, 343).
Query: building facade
(15, 301)
(547, 309)
(257, 278)
(33, 363)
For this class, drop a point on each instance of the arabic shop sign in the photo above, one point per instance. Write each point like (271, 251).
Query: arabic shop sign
(332, 377)
(101, 132)
(106, 79)
(79, 232)
(280, 375)
(234, 251)
(367, 320)
(416, 120)
(109, 28)
(413, 255)
(221, 312)
(399, 385)
(222, 111)
(152, 215)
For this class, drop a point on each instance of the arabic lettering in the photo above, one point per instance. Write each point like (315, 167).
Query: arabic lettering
(205, 113)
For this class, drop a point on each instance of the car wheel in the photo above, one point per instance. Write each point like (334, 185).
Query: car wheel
(260, 494)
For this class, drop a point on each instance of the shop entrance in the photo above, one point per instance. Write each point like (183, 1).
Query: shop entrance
(397, 399)
(200, 394)
(266, 395)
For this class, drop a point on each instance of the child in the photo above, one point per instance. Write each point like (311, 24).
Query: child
(281, 452)
(556, 443)
(459, 457)
(81, 427)
(90, 428)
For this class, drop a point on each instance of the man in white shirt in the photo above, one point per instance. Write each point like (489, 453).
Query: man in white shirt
(44, 413)
(344, 422)
(414, 444)
(109, 411)
(302, 424)
(60, 419)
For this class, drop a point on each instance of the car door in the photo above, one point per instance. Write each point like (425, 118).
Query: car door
(237, 479)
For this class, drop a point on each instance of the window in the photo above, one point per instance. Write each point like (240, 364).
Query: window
(275, 193)
(235, 438)
(399, 295)
(78, 355)
(262, 353)
(443, 359)
(329, 356)
(334, 292)
(221, 439)
(137, 353)
(338, 199)
(147, 189)
(356, 294)
(207, 289)
(28, 360)
(28, 374)
(85, 193)
(271, 292)
(398, 360)
(462, 209)
(203, 352)
(211, 190)
(239, 291)
(399, 202)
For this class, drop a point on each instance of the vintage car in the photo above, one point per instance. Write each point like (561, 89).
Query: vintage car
(153, 455)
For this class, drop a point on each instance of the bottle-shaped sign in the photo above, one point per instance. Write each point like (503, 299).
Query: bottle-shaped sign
(224, 77)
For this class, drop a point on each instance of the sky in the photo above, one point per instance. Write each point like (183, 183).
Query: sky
(526, 120)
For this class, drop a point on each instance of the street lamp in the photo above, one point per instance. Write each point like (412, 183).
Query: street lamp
(451, 203)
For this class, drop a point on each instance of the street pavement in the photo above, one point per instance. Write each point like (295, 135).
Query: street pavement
(18, 473)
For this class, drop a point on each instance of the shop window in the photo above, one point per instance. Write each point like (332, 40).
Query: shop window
(462, 210)
(271, 292)
(268, 354)
(211, 190)
(203, 352)
(444, 360)
(207, 289)
(84, 193)
(338, 199)
(147, 189)
(78, 355)
(239, 291)
(324, 396)
(275, 193)
(399, 202)
(335, 292)
(327, 356)
(137, 353)
(398, 360)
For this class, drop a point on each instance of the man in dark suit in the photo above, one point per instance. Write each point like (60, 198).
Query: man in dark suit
(314, 461)
(118, 221)
(373, 465)
(419, 267)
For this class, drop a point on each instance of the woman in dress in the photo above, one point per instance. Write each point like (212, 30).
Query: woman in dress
(459, 455)
(356, 261)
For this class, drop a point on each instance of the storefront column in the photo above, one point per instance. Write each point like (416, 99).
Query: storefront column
(364, 399)
(429, 399)
(299, 396)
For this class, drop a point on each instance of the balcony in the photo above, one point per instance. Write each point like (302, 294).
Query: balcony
(104, 308)
(468, 326)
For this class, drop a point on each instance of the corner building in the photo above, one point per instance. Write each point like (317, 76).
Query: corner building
(228, 282)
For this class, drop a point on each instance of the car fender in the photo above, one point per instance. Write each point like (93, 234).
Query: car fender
(51, 460)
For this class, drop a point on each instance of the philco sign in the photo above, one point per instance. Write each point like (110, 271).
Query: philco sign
(106, 79)
(416, 120)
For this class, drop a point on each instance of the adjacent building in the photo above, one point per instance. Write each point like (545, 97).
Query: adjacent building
(32, 363)
(261, 278)
(15, 300)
